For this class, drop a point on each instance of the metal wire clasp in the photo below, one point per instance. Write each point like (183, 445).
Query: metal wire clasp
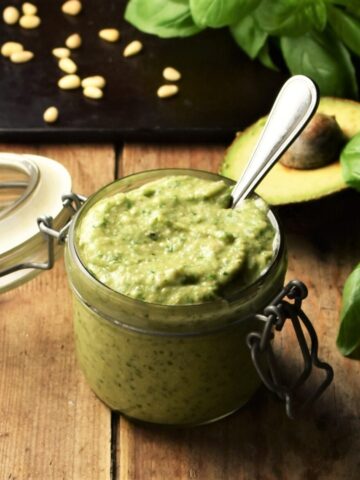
(262, 354)
(72, 202)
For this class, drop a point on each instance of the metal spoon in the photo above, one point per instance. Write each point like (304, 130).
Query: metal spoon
(293, 108)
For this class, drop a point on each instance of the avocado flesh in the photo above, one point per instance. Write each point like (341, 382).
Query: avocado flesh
(284, 185)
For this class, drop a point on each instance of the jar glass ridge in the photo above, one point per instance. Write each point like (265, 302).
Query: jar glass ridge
(168, 364)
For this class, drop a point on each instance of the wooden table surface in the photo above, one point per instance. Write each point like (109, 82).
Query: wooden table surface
(53, 427)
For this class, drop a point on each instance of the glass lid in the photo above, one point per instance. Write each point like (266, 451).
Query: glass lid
(31, 186)
(18, 179)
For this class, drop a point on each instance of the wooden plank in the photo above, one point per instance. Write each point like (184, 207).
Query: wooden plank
(260, 441)
(136, 158)
(51, 425)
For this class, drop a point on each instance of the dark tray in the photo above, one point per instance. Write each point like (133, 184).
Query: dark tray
(221, 91)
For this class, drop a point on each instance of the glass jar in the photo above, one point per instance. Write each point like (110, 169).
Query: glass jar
(168, 364)
(177, 364)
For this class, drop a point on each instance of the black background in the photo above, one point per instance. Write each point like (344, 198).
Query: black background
(221, 91)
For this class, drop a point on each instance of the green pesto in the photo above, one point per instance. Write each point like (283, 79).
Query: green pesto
(176, 241)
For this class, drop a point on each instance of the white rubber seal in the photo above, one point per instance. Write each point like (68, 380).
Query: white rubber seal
(20, 225)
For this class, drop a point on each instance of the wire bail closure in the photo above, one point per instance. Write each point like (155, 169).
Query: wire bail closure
(275, 316)
(72, 202)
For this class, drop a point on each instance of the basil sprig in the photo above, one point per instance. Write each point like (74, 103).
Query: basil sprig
(348, 339)
(315, 38)
(165, 18)
(350, 162)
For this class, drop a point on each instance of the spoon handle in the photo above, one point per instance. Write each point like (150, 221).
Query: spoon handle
(294, 106)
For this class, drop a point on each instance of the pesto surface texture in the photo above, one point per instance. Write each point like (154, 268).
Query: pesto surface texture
(175, 241)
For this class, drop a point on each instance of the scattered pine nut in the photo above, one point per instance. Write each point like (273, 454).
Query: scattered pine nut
(109, 34)
(21, 57)
(61, 52)
(69, 82)
(51, 115)
(74, 41)
(67, 65)
(11, 47)
(72, 7)
(95, 81)
(133, 48)
(171, 74)
(29, 21)
(166, 91)
(11, 15)
(93, 92)
(29, 8)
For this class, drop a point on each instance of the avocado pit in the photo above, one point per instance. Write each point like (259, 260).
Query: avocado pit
(318, 145)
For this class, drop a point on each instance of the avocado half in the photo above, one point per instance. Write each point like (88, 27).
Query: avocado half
(284, 185)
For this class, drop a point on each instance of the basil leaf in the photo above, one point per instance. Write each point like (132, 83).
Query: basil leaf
(350, 162)
(355, 10)
(349, 333)
(317, 13)
(285, 17)
(219, 13)
(165, 18)
(322, 57)
(346, 28)
(265, 58)
(248, 35)
(344, 3)
(351, 6)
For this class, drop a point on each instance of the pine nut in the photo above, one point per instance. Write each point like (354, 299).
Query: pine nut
(50, 115)
(95, 81)
(133, 48)
(93, 92)
(61, 52)
(109, 34)
(21, 57)
(11, 47)
(166, 91)
(74, 41)
(72, 7)
(11, 15)
(29, 21)
(67, 65)
(171, 74)
(29, 8)
(69, 82)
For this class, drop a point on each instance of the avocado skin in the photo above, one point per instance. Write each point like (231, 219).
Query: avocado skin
(285, 185)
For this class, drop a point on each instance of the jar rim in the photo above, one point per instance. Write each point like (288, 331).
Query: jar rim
(279, 246)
